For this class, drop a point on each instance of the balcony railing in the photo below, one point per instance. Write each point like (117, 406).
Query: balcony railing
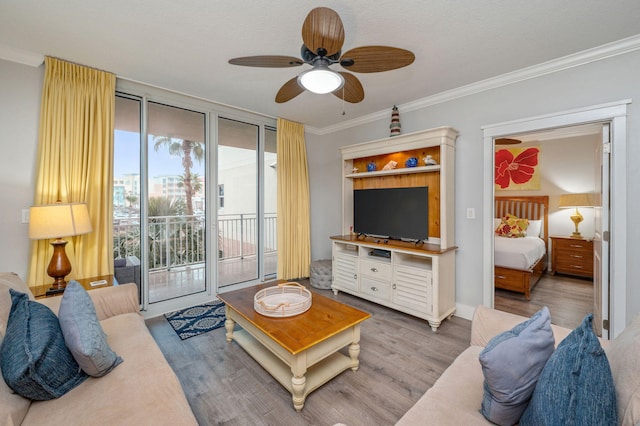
(178, 241)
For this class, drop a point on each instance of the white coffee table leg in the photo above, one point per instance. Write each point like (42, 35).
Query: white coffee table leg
(298, 384)
(354, 352)
(229, 325)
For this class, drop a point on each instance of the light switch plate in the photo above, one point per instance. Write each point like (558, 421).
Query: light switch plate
(25, 215)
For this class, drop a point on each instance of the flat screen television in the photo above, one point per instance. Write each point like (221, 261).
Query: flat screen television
(394, 213)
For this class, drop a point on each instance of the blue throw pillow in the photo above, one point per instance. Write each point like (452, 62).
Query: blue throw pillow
(83, 333)
(511, 363)
(34, 360)
(576, 386)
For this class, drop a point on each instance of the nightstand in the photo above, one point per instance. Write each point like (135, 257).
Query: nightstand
(572, 256)
(88, 283)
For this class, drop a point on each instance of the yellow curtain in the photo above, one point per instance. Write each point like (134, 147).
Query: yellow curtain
(75, 163)
(294, 234)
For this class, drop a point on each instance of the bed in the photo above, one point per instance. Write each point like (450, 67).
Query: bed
(520, 262)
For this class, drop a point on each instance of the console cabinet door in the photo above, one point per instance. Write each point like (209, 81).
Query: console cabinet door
(413, 289)
(345, 272)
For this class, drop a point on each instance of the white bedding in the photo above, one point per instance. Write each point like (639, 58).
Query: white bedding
(518, 253)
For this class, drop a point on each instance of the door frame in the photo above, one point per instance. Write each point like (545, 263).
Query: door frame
(614, 113)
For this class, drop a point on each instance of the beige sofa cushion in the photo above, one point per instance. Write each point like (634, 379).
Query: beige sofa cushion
(13, 407)
(143, 390)
(624, 358)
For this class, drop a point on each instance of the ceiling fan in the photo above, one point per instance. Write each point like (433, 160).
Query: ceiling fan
(323, 37)
(507, 141)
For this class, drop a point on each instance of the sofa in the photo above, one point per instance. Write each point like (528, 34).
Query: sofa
(456, 397)
(142, 390)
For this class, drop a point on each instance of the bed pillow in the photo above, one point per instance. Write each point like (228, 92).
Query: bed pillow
(511, 363)
(512, 226)
(534, 229)
(576, 386)
(34, 360)
(83, 333)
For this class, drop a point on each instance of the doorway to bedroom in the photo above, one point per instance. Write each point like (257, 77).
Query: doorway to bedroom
(609, 187)
(565, 161)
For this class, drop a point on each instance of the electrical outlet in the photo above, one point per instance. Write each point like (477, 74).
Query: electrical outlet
(471, 213)
(25, 215)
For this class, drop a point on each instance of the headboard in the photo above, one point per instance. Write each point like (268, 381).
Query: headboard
(534, 208)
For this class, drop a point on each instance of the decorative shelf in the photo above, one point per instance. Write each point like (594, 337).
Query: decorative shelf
(401, 171)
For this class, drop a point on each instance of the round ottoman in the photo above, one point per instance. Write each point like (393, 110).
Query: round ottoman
(320, 274)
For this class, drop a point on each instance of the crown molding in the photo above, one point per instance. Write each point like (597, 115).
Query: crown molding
(584, 57)
(21, 56)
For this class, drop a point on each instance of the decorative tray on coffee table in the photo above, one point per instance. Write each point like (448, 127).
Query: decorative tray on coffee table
(284, 300)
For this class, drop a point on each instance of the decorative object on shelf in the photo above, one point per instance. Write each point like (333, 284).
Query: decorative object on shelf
(371, 167)
(411, 162)
(570, 201)
(56, 221)
(429, 161)
(390, 165)
(395, 122)
(354, 170)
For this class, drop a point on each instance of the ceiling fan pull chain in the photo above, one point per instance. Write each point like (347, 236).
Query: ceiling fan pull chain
(343, 111)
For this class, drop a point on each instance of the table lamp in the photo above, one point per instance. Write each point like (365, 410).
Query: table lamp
(569, 201)
(57, 221)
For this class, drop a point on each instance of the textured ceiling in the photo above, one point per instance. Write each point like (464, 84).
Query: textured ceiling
(185, 46)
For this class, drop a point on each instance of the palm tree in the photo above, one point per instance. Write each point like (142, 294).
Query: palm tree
(185, 149)
(160, 206)
(196, 184)
(132, 199)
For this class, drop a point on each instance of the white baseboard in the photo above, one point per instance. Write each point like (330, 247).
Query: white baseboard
(465, 311)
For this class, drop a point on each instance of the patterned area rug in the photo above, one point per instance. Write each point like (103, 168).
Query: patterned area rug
(196, 320)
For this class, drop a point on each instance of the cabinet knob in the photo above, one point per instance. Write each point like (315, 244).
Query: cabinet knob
(393, 286)
(355, 276)
(374, 288)
(374, 270)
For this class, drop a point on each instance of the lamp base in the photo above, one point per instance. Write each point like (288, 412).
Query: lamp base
(576, 235)
(54, 290)
(59, 267)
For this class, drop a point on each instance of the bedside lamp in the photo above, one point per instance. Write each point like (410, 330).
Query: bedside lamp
(569, 201)
(57, 221)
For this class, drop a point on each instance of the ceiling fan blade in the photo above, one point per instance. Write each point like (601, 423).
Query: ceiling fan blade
(267, 61)
(507, 141)
(323, 29)
(289, 90)
(377, 58)
(352, 89)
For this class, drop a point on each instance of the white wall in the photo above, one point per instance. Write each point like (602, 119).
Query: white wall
(20, 91)
(567, 166)
(608, 80)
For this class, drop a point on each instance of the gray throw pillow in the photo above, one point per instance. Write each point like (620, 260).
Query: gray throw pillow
(34, 360)
(511, 363)
(83, 333)
(576, 386)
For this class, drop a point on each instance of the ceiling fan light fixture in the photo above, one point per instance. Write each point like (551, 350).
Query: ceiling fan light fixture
(321, 80)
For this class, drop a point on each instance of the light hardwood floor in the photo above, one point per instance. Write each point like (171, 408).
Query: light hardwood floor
(568, 299)
(400, 359)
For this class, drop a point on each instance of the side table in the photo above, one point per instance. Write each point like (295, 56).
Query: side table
(572, 256)
(40, 291)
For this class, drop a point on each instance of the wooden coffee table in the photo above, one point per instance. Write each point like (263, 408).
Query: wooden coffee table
(301, 351)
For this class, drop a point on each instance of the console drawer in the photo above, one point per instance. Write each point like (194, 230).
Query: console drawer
(374, 288)
(376, 270)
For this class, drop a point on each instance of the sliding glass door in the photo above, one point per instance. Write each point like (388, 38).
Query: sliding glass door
(189, 220)
(246, 202)
(159, 202)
